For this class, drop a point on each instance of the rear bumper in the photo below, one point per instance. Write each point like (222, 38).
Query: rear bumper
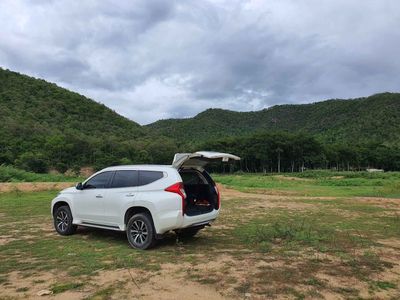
(178, 222)
(198, 220)
(200, 224)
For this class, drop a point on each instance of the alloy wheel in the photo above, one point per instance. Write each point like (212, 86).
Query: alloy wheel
(62, 221)
(139, 232)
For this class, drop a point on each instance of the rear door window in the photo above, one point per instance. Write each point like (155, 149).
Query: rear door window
(125, 178)
(100, 181)
(146, 177)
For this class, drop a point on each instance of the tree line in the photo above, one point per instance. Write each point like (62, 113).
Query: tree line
(261, 152)
(71, 152)
(286, 152)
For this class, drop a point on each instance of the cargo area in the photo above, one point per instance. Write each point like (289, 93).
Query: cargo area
(201, 193)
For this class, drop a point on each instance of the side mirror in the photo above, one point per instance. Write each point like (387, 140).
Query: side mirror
(79, 186)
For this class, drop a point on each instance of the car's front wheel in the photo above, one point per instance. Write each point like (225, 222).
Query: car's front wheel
(140, 231)
(63, 221)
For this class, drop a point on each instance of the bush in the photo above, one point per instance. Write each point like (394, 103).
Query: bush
(32, 162)
(125, 161)
(61, 167)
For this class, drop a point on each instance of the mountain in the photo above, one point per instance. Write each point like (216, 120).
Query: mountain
(374, 119)
(41, 120)
(46, 127)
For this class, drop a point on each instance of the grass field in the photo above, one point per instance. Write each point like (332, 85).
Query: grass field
(292, 237)
(320, 183)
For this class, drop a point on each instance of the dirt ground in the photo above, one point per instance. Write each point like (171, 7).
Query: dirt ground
(175, 280)
(6, 187)
(167, 284)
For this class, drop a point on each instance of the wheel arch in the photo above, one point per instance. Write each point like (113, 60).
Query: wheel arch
(133, 210)
(59, 204)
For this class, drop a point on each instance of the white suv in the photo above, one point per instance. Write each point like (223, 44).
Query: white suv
(146, 201)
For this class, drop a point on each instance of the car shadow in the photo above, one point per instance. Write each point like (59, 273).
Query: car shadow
(91, 233)
(119, 237)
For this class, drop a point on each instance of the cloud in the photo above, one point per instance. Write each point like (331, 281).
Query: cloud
(150, 59)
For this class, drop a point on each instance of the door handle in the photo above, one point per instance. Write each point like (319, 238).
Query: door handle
(130, 195)
(99, 196)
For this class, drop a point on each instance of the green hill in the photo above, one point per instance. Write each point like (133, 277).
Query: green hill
(373, 119)
(53, 110)
(50, 126)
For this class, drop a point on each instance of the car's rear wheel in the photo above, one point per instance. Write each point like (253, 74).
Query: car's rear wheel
(63, 221)
(140, 231)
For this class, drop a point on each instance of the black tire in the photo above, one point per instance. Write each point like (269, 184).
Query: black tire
(187, 233)
(140, 231)
(63, 221)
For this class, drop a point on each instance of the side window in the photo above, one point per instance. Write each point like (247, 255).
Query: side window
(146, 177)
(99, 181)
(125, 178)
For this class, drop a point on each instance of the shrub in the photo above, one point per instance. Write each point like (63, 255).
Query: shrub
(61, 167)
(32, 162)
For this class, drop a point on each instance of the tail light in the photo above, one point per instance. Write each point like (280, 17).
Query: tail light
(178, 188)
(218, 196)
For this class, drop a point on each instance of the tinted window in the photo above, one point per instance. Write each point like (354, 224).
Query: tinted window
(125, 179)
(146, 177)
(99, 181)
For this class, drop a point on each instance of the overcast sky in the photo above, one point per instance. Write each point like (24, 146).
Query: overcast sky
(151, 60)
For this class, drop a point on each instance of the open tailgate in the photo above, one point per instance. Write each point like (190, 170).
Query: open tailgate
(200, 158)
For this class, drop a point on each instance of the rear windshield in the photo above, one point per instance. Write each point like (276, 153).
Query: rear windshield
(146, 177)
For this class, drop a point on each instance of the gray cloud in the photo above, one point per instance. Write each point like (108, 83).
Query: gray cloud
(152, 59)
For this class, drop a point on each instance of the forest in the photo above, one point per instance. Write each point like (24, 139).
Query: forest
(45, 127)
